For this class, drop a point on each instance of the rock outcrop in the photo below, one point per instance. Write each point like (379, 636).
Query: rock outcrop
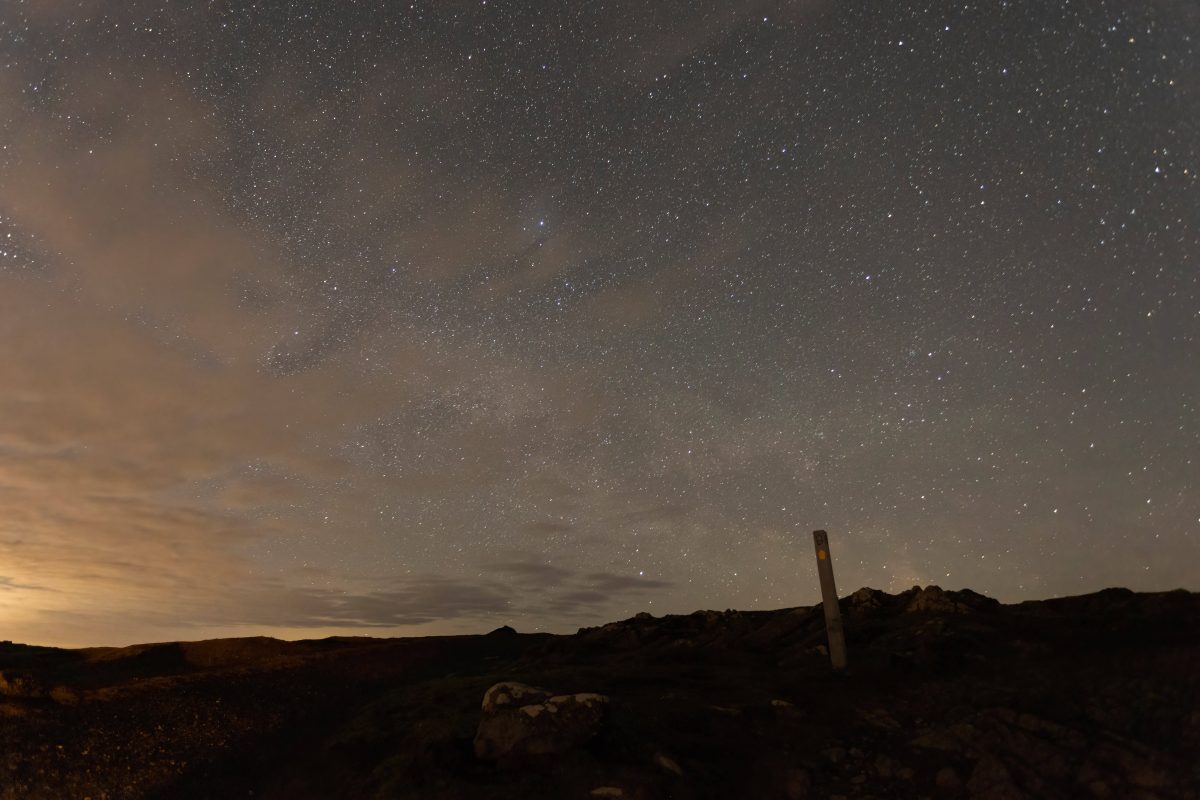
(937, 600)
(521, 720)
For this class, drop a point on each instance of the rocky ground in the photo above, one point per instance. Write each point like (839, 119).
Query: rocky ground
(948, 695)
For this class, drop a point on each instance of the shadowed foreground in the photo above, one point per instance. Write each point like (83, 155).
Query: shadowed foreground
(948, 694)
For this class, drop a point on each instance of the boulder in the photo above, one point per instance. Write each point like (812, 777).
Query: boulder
(521, 720)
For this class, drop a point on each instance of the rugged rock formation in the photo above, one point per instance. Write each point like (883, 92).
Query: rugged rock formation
(937, 600)
(521, 720)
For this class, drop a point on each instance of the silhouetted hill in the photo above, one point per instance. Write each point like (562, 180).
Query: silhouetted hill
(948, 694)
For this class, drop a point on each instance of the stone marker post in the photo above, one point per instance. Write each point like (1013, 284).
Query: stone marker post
(829, 602)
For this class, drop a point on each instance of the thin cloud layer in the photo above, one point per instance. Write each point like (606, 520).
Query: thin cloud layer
(410, 319)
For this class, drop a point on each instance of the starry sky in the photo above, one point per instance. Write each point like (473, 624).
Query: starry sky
(407, 318)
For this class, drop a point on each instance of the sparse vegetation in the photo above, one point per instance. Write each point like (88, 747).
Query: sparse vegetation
(948, 694)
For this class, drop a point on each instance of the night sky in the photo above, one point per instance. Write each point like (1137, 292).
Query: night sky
(394, 319)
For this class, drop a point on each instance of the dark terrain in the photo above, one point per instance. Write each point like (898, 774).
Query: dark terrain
(948, 694)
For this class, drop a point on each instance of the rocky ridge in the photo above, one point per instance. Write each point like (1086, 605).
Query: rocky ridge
(949, 694)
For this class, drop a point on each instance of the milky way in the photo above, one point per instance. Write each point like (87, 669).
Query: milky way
(426, 318)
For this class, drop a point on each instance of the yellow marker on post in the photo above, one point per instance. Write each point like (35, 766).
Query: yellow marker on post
(829, 602)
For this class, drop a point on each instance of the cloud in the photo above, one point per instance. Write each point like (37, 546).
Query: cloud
(597, 595)
(238, 391)
(664, 512)
(547, 528)
(8, 585)
(533, 574)
(612, 583)
(416, 601)
(584, 597)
